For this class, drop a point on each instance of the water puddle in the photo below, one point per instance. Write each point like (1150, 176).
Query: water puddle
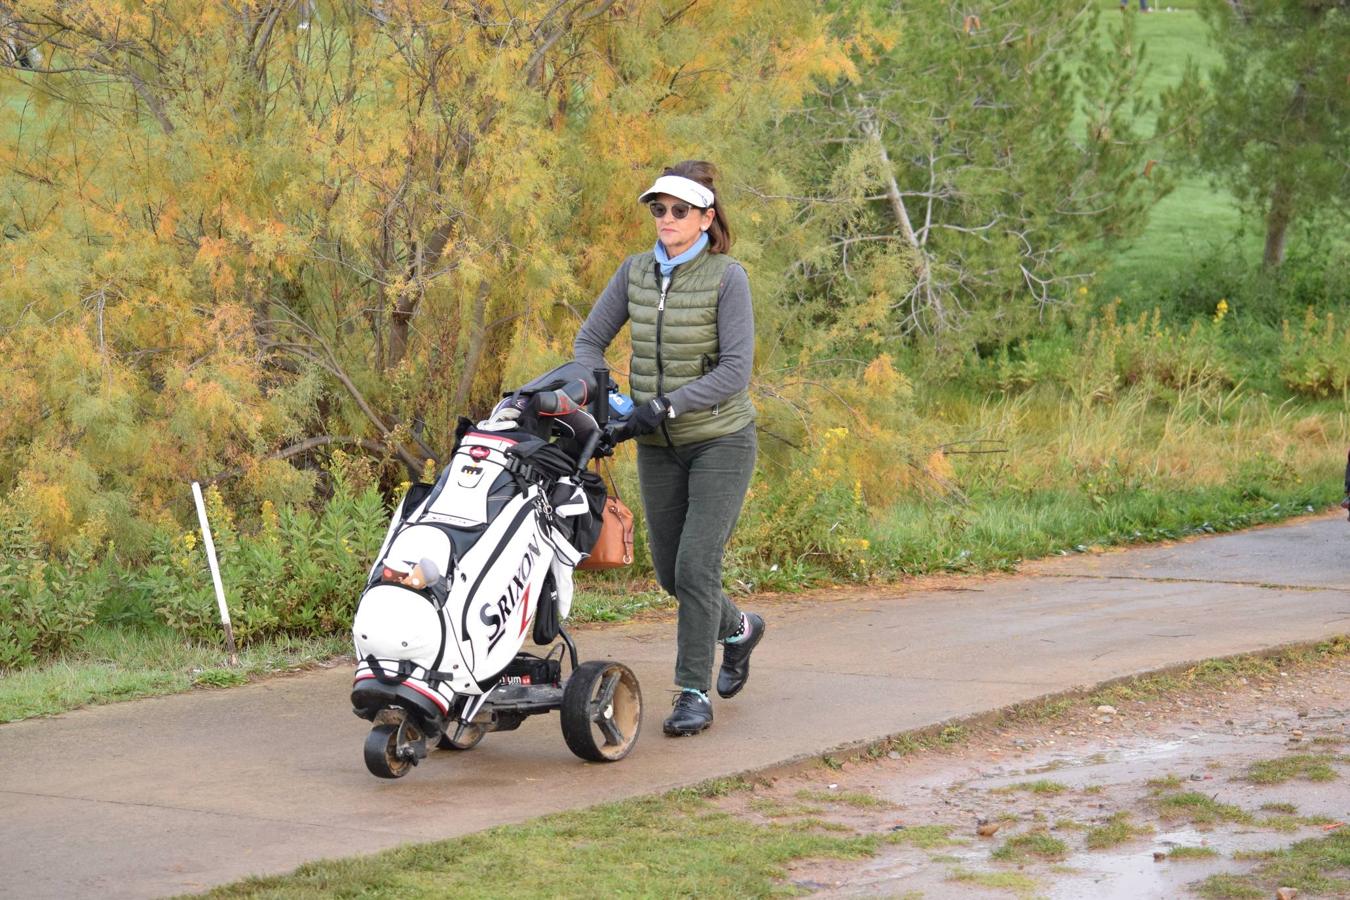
(1133, 872)
(1025, 805)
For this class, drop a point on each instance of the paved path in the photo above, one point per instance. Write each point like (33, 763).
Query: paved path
(180, 793)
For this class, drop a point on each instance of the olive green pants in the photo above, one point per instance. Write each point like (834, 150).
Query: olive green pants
(692, 496)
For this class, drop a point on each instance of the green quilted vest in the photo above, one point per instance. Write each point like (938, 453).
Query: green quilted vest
(676, 343)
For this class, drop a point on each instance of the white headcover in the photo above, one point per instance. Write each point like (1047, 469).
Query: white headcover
(681, 188)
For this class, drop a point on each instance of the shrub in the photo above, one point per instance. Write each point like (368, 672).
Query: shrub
(1313, 275)
(810, 516)
(1146, 350)
(1315, 359)
(300, 573)
(44, 603)
(1108, 355)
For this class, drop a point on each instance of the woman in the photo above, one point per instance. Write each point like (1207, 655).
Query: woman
(693, 344)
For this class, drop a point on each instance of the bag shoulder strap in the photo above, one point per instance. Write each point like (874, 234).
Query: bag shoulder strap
(613, 485)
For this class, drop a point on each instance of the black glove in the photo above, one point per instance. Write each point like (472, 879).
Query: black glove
(647, 417)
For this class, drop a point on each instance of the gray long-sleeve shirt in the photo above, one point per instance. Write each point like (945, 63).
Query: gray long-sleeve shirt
(735, 339)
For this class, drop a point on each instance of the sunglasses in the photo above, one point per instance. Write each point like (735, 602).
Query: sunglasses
(678, 210)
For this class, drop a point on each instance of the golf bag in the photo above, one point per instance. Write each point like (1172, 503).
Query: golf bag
(483, 558)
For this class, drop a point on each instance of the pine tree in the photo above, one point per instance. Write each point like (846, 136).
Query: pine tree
(972, 169)
(1272, 120)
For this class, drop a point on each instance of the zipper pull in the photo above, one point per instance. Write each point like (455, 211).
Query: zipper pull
(665, 289)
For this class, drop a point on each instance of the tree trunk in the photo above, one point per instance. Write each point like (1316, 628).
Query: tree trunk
(1281, 195)
(925, 293)
(1277, 225)
(400, 323)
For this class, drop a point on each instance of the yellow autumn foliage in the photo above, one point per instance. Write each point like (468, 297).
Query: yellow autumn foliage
(238, 230)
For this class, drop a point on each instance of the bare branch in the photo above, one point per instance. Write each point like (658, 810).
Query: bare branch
(308, 444)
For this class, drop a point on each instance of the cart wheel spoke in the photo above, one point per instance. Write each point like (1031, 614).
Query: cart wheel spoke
(606, 696)
(613, 736)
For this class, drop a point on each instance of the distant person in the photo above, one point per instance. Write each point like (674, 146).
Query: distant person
(693, 339)
(1143, 6)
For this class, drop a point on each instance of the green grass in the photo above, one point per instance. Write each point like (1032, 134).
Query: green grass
(668, 846)
(1115, 831)
(610, 599)
(1038, 844)
(1216, 673)
(1040, 786)
(1189, 222)
(1288, 823)
(847, 798)
(1229, 887)
(111, 664)
(1186, 854)
(995, 532)
(1287, 809)
(1315, 867)
(776, 809)
(924, 837)
(1308, 766)
(1200, 810)
(1016, 882)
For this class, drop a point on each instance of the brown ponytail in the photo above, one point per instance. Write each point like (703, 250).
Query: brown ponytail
(719, 232)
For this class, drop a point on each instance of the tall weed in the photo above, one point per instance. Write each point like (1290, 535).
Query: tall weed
(299, 573)
(1315, 358)
(44, 602)
(811, 516)
(1149, 351)
(1108, 354)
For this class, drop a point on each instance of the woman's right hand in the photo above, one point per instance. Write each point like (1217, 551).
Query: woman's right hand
(647, 417)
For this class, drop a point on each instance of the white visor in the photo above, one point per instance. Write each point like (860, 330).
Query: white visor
(681, 188)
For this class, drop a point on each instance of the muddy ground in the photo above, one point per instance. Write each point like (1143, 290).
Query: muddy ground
(1144, 799)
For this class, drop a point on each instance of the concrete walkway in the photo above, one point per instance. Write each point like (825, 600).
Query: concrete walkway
(181, 793)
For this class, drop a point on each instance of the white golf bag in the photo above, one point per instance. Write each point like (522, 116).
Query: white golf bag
(497, 542)
(474, 565)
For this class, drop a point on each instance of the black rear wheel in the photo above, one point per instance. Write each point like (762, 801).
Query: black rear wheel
(601, 711)
(461, 737)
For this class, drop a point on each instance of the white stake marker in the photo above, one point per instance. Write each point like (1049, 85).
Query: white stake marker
(215, 572)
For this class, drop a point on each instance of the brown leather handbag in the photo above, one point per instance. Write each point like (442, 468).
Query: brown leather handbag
(614, 547)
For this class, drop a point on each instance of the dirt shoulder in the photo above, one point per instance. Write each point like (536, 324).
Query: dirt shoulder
(1157, 793)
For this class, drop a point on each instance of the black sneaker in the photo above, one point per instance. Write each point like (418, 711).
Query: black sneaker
(735, 670)
(692, 714)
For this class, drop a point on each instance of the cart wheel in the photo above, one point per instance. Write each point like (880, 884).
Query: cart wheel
(382, 756)
(461, 737)
(601, 711)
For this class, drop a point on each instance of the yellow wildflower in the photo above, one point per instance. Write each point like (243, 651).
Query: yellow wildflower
(270, 520)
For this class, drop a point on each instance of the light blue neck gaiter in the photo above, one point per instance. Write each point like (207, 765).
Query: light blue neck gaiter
(668, 265)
